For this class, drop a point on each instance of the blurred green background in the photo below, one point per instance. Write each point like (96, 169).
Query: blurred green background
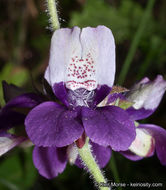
(139, 28)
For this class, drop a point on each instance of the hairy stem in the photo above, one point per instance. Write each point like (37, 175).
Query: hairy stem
(53, 14)
(90, 163)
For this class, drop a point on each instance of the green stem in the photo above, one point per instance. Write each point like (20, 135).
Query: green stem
(136, 40)
(53, 14)
(91, 165)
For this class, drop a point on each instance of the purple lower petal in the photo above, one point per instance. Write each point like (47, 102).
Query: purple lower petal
(60, 92)
(139, 114)
(159, 135)
(50, 124)
(8, 141)
(109, 126)
(131, 156)
(102, 155)
(50, 161)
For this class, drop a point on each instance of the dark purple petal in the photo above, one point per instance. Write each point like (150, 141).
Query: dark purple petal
(131, 156)
(60, 92)
(8, 141)
(50, 161)
(102, 155)
(11, 91)
(50, 124)
(159, 135)
(113, 97)
(9, 119)
(109, 126)
(116, 93)
(28, 100)
(48, 91)
(139, 114)
(100, 93)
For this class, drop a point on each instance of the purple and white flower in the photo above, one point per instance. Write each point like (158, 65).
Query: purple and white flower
(146, 96)
(81, 73)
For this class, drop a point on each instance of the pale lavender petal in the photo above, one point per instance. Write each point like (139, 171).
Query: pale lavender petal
(159, 135)
(144, 143)
(50, 161)
(109, 126)
(65, 46)
(82, 59)
(131, 156)
(50, 124)
(147, 95)
(102, 155)
(8, 141)
(99, 47)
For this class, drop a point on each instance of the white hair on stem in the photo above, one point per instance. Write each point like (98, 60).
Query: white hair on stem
(53, 14)
(90, 164)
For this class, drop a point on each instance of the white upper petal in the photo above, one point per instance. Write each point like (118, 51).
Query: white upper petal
(65, 45)
(82, 59)
(99, 42)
